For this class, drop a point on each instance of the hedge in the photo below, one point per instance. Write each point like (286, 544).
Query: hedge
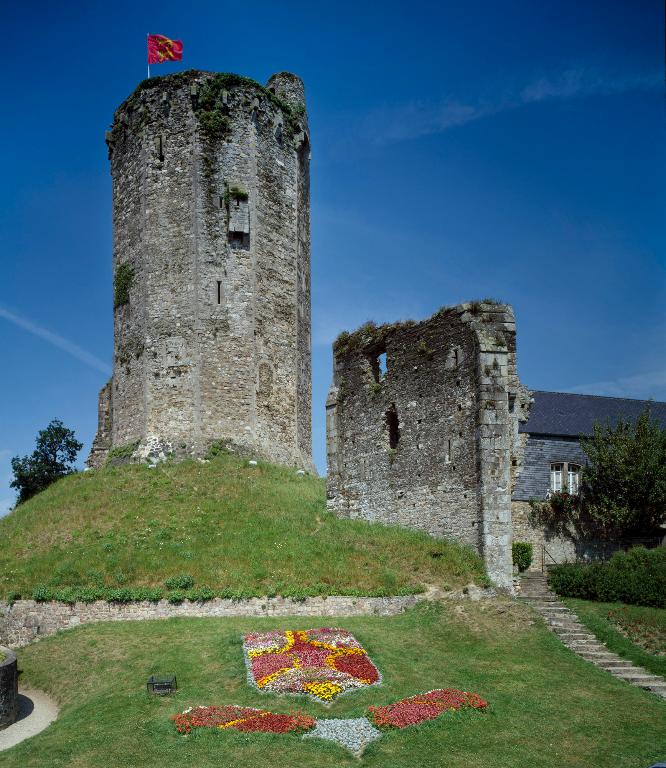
(637, 577)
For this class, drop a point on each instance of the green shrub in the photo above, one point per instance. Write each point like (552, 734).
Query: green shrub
(150, 594)
(91, 594)
(122, 282)
(41, 594)
(66, 595)
(13, 596)
(182, 581)
(120, 595)
(176, 596)
(201, 595)
(522, 554)
(637, 577)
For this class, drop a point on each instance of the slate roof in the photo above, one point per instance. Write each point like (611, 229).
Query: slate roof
(568, 415)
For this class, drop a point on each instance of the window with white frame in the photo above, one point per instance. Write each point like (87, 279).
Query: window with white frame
(556, 471)
(573, 478)
(564, 477)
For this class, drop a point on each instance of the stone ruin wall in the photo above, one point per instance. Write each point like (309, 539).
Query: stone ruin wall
(433, 443)
(214, 342)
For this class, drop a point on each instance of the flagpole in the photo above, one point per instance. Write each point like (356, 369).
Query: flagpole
(147, 53)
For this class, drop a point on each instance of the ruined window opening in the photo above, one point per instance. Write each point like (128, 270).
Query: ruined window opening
(447, 456)
(159, 148)
(239, 241)
(219, 291)
(512, 403)
(279, 135)
(393, 424)
(378, 363)
(456, 357)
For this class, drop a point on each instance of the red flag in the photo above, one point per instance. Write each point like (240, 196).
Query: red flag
(161, 49)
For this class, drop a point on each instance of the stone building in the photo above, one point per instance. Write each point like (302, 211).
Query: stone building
(422, 427)
(211, 258)
(554, 458)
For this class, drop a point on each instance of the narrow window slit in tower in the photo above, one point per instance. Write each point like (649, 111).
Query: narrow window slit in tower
(159, 148)
(219, 291)
(393, 424)
(378, 363)
(456, 357)
(447, 457)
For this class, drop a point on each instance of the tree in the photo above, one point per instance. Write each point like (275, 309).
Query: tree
(53, 458)
(623, 487)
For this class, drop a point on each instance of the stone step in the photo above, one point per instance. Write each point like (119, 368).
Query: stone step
(583, 645)
(597, 656)
(562, 624)
(611, 664)
(569, 635)
(635, 677)
(577, 637)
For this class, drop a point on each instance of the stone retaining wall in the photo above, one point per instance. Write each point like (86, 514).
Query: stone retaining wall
(8, 688)
(27, 620)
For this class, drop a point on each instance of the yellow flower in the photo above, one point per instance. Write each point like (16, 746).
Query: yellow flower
(324, 690)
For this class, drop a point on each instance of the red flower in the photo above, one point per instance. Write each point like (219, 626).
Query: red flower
(426, 706)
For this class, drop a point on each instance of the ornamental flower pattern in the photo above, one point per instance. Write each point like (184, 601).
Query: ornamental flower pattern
(246, 719)
(321, 663)
(424, 706)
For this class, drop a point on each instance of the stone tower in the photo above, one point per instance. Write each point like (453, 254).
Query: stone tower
(422, 427)
(211, 261)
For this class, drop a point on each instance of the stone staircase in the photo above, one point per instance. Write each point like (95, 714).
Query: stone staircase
(564, 623)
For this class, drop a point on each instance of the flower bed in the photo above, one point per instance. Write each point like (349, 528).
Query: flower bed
(641, 627)
(424, 706)
(322, 663)
(246, 719)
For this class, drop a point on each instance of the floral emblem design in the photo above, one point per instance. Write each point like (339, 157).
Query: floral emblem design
(322, 663)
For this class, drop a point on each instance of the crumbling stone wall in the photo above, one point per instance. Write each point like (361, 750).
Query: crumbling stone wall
(8, 687)
(548, 546)
(433, 442)
(211, 222)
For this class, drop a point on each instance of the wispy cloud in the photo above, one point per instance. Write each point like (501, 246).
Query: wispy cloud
(55, 340)
(416, 119)
(641, 385)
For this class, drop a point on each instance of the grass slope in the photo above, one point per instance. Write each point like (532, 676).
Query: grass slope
(548, 708)
(595, 617)
(250, 530)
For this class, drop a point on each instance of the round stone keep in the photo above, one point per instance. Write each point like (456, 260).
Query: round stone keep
(8, 687)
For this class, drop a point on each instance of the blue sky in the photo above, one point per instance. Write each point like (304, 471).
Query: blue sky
(460, 150)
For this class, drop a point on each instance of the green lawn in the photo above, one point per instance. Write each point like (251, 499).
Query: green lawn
(641, 620)
(548, 708)
(234, 527)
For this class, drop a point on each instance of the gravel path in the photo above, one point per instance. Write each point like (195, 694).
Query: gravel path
(353, 734)
(36, 712)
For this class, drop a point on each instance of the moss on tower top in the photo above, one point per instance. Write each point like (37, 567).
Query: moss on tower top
(213, 85)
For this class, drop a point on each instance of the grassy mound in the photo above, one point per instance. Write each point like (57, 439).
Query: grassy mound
(547, 707)
(240, 530)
